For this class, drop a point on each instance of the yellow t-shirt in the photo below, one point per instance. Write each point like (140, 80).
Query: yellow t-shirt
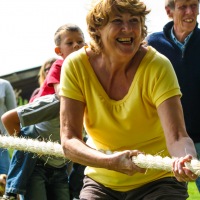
(130, 123)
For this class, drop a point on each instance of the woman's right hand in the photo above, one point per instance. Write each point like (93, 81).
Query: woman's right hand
(122, 162)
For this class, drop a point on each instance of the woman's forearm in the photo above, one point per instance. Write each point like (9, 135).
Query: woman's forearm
(182, 147)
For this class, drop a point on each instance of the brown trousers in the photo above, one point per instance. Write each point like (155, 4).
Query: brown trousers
(162, 189)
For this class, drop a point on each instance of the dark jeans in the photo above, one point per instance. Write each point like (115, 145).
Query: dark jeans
(163, 189)
(47, 182)
(76, 180)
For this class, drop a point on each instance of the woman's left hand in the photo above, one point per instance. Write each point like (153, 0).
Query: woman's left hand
(181, 172)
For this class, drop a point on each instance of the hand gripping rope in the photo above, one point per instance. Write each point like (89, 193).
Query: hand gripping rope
(54, 149)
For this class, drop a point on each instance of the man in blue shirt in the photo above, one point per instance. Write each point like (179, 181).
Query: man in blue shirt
(180, 43)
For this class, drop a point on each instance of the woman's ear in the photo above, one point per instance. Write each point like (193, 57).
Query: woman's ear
(57, 51)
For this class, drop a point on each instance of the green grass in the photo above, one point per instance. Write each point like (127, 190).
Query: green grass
(10, 152)
(193, 191)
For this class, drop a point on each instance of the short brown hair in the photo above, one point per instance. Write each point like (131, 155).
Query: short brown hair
(65, 27)
(98, 16)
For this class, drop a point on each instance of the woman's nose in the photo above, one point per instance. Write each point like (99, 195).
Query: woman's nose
(127, 27)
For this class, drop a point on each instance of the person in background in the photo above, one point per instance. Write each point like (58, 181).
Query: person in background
(180, 43)
(128, 98)
(7, 102)
(49, 180)
(68, 38)
(43, 73)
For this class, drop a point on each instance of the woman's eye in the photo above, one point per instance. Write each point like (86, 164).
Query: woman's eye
(116, 21)
(134, 20)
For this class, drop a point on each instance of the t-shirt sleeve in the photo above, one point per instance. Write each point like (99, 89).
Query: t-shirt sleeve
(163, 84)
(72, 80)
(42, 109)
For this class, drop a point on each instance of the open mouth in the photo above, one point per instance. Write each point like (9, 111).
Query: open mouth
(125, 40)
(188, 20)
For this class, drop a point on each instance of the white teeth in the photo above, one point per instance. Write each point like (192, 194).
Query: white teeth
(124, 39)
(188, 20)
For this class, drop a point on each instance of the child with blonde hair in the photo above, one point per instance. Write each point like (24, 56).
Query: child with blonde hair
(44, 70)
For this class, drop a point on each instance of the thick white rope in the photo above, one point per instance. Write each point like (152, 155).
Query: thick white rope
(31, 145)
(159, 163)
(54, 149)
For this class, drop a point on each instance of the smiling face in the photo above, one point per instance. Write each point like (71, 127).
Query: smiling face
(101, 17)
(122, 34)
(184, 15)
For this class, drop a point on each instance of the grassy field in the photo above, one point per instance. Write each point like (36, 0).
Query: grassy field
(193, 191)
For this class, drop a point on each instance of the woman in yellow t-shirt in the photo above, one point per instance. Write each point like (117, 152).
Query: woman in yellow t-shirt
(127, 96)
